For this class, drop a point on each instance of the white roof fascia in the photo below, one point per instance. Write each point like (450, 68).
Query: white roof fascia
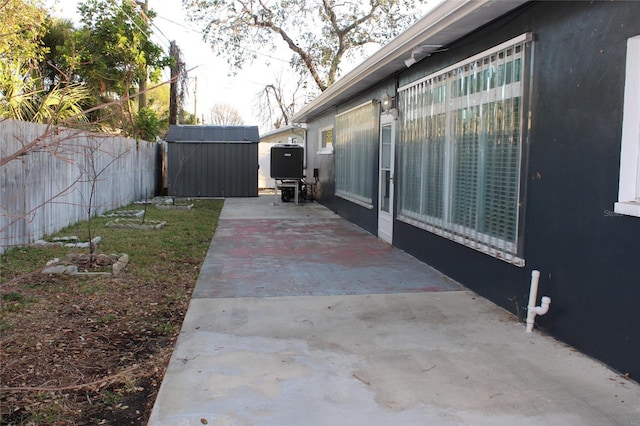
(446, 23)
(296, 129)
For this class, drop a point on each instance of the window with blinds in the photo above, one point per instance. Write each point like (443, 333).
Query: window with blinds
(326, 140)
(355, 150)
(460, 143)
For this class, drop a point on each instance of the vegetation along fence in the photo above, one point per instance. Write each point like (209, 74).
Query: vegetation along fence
(52, 177)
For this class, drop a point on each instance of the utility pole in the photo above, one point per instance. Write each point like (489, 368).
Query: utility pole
(176, 65)
(195, 102)
(142, 92)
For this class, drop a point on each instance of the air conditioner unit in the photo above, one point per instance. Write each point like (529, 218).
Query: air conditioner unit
(287, 161)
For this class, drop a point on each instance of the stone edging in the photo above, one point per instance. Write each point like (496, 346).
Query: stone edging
(135, 224)
(60, 242)
(54, 267)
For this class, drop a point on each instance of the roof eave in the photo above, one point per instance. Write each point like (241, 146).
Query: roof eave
(446, 23)
(284, 129)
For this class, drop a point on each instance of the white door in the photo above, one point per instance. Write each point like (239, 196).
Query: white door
(385, 195)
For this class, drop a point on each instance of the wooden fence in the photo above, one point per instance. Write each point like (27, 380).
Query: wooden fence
(61, 173)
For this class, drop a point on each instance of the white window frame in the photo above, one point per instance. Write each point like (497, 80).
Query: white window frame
(444, 225)
(322, 148)
(629, 185)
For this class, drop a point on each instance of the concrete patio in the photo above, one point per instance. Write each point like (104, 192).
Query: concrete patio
(301, 318)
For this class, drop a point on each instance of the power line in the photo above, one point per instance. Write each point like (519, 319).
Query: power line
(256, 52)
(133, 21)
(153, 24)
(179, 24)
(144, 14)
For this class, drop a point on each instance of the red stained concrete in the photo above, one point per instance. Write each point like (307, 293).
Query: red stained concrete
(310, 256)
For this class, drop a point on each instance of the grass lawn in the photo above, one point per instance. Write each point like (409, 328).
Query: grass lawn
(88, 350)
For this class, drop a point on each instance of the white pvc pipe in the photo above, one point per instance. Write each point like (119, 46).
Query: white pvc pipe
(532, 309)
(533, 290)
(544, 306)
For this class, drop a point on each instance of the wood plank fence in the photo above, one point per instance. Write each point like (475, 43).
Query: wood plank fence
(62, 173)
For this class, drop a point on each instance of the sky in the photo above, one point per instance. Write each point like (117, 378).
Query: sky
(210, 74)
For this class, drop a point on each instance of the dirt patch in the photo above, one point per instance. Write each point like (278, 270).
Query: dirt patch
(90, 350)
(94, 349)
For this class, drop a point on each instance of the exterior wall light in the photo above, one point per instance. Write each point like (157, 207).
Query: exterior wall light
(419, 50)
(386, 102)
(411, 60)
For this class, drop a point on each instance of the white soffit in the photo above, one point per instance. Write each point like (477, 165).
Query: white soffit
(446, 23)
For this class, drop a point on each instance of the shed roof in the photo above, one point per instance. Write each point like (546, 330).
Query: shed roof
(196, 133)
(449, 21)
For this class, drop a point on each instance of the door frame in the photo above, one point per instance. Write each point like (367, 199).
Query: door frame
(386, 176)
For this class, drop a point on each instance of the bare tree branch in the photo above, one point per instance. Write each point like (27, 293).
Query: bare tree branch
(225, 115)
(319, 33)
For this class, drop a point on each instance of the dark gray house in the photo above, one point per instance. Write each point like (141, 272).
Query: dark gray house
(212, 161)
(493, 138)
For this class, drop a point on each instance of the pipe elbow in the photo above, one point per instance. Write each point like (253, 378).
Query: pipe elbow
(532, 309)
(544, 306)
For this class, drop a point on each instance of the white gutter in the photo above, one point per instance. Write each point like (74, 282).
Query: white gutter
(284, 129)
(437, 28)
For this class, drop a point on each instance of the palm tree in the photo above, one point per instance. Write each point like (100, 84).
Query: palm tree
(22, 97)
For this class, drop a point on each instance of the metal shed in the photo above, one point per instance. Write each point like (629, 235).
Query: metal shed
(212, 161)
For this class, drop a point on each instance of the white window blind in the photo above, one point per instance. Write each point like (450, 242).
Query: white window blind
(326, 138)
(461, 150)
(356, 153)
